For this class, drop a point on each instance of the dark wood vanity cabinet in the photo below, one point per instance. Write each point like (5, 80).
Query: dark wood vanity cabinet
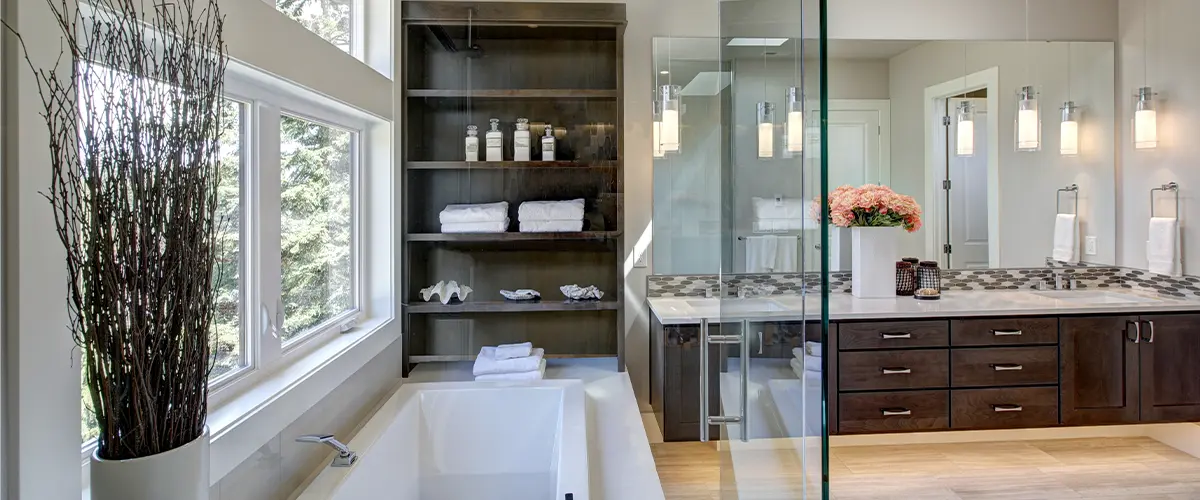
(1170, 368)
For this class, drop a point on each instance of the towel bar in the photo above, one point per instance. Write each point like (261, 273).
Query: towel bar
(1171, 187)
(743, 238)
(1073, 188)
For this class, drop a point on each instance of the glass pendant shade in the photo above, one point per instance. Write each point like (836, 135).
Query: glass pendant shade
(794, 127)
(965, 140)
(1145, 121)
(670, 118)
(766, 130)
(657, 128)
(1068, 143)
(1029, 124)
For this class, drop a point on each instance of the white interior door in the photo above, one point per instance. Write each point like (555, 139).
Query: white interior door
(967, 198)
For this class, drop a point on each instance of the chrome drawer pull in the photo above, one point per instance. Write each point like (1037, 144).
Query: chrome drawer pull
(897, 371)
(896, 412)
(1006, 367)
(1006, 333)
(1005, 408)
(894, 336)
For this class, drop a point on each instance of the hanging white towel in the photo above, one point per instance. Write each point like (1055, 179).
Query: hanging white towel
(551, 226)
(487, 364)
(510, 351)
(1066, 238)
(787, 260)
(537, 374)
(550, 210)
(761, 252)
(476, 227)
(1162, 250)
(485, 212)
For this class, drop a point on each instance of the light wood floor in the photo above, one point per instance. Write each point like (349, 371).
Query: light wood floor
(1108, 468)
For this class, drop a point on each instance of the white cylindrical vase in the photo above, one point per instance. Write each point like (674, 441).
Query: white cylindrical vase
(873, 261)
(178, 474)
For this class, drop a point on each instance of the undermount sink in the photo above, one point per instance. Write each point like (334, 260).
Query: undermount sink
(739, 306)
(1095, 297)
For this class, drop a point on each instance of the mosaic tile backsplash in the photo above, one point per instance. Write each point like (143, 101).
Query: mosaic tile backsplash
(1092, 277)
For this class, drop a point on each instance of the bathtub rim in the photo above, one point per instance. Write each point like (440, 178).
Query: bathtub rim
(573, 464)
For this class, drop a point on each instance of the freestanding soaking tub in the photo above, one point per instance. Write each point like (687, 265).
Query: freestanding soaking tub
(468, 440)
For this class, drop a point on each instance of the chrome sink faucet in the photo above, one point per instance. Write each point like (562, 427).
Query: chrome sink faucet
(345, 457)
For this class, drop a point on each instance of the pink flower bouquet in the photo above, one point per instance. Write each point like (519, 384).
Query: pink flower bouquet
(870, 206)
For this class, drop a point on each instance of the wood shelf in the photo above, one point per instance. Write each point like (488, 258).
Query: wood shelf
(464, 165)
(513, 307)
(516, 93)
(515, 236)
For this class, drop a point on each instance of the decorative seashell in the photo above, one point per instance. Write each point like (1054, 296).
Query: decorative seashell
(453, 289)
(428, 292)
(576, 292)
(521, 294)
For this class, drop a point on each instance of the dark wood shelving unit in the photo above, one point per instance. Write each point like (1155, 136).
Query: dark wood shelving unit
(552, 63)
(472, 307)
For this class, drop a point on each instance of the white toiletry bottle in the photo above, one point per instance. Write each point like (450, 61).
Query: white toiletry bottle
(472, 143)
(495, 141)
(522, 140)
(548, 144)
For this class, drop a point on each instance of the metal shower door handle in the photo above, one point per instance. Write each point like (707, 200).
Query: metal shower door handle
(743, 340)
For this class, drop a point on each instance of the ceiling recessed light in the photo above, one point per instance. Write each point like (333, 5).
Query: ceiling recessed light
(756, 42)
(664, 72)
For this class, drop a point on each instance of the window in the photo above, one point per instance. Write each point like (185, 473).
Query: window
(329, 19)
(228, 330)
(316, 224)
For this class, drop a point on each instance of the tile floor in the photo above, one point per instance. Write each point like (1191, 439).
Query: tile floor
(1105, 468)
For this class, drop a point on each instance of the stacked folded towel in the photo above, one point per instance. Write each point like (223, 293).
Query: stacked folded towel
(808, 357)
(510, 362)
(778, 214)
(478, 218)
(551, 216)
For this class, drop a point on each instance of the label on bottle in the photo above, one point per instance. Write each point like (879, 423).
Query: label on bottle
(521, 142)
(472, 150)
(493, 141)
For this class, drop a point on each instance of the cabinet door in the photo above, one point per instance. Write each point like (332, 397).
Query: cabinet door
(681, 383)
(1099, 370)
(1170, 375)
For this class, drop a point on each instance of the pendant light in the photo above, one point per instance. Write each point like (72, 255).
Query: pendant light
(1028, 123)
(965, 141)
(766, 130)
(1068, 132)
(794, 127)
(1145, 118)
(657, 123)
(669, 130)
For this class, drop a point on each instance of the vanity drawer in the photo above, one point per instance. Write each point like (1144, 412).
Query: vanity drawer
(884, 370)
(893, 334)
(1003, 331)
(869, 412)
(1000, 366)
(1004, 408)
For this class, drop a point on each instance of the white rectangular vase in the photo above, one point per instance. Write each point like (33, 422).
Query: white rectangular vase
(873, 261)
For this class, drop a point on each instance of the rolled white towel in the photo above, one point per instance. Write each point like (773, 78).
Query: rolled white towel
(476, 227)
(550, 210)
(480, 212)
(551, 226)
(812, 348)
(798, 353)
(487, 364)
(510, 351)
(797, 367)
(537, 374)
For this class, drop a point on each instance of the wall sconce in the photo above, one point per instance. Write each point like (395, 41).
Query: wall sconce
(669, 130)
(766, 130)
(1145, 121)
(1068, 144)
(794, 127)
(1029, 124)
(965, 144)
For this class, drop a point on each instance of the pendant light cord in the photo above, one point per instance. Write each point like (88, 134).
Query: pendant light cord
(1028, 62)
(1145, 43)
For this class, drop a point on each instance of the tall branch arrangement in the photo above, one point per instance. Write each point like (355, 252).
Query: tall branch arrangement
(134, 126)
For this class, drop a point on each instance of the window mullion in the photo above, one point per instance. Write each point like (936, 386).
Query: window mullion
(267, 252)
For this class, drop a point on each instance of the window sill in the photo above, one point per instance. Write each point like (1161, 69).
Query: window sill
(242, 424)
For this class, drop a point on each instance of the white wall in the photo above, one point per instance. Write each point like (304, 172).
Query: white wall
(1172, 42)
(1027, 180)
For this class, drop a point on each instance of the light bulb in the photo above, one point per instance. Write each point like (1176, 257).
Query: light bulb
(766, 130)
(965, 141)
(1145, 121)
(1029, 125)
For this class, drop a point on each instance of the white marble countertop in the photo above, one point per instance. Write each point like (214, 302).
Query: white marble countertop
(843, 306)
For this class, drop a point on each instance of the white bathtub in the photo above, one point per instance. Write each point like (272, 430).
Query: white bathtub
(468, 440)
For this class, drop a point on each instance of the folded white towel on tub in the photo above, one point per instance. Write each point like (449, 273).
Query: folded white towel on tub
(476, 227)
(537, 374)
(482, 212)
(551, 210)
(551, 226)
(487, 364)
(510, 351)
